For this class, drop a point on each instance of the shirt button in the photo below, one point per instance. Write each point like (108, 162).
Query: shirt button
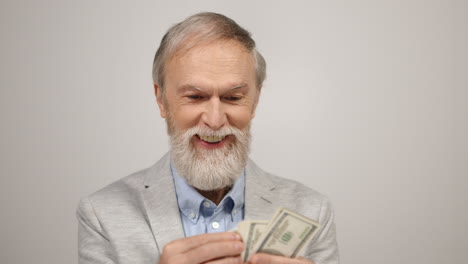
(206, 204)
(192, 215)
(234, 212)
(215, 225)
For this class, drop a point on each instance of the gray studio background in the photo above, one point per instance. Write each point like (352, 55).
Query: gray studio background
(365, 101)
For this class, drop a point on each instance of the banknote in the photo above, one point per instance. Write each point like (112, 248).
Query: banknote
(243, 229)
(252, 231)
(286, 234)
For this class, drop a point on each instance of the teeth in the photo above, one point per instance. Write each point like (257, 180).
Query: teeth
(211, 139)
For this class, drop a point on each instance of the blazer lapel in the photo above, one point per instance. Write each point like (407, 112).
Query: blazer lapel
(160, 202)
(259, 196)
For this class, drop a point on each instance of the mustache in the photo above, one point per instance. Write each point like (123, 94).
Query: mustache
(206, 131)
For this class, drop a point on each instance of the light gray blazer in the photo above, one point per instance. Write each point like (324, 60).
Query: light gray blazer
(131, 220)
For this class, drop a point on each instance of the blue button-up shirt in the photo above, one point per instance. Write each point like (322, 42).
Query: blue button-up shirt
(200, 215)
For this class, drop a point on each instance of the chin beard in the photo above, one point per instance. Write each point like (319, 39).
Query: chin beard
(209, 169)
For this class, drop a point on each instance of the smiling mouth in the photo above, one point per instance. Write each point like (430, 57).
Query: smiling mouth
(211, 139)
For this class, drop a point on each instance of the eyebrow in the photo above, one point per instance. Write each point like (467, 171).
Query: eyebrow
(238, 86)
(187, 87)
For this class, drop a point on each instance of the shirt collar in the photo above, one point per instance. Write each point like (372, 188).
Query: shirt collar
(190, 201)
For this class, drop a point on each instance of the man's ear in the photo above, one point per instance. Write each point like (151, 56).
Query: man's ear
(160, 100)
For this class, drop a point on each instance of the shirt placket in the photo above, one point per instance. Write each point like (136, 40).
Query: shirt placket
(214, 219)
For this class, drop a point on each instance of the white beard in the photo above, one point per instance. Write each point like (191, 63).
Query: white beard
(209, 169)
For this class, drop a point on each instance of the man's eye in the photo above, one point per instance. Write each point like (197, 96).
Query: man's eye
(195, 97)
(233, 98)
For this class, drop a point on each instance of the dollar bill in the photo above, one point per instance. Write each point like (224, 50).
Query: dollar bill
(252, 231)
(286, 234)
(243, 229)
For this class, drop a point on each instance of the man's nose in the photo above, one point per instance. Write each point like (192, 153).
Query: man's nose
(214, 115)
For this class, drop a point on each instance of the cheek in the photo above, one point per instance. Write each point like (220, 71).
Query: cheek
(240, 118)
(185, 117)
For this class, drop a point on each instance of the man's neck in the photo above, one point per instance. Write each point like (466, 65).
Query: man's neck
(215, 196)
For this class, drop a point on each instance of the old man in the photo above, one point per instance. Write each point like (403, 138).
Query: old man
(208, 76)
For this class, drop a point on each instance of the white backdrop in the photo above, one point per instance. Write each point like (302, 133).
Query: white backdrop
(365, 101)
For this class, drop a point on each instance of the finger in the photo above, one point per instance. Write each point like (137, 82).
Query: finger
(304, 260)
(186, 244)
(213, 251)
(262, 258)
(227, 260)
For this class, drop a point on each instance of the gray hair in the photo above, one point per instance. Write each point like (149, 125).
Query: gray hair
(199, 29)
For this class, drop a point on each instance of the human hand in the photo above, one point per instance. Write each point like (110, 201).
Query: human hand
(206, 248)
(262, 258)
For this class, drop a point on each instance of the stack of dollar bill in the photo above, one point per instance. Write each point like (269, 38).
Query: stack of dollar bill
(285, 234)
